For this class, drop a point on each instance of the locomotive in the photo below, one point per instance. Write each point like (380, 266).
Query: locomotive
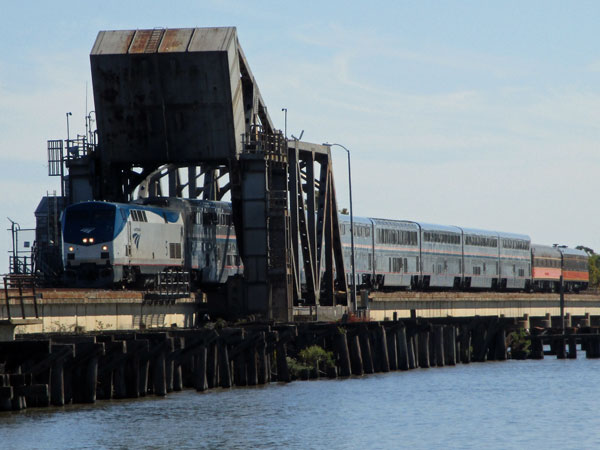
(107, 244)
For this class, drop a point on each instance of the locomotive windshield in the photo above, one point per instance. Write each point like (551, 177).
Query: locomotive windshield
(92, 220)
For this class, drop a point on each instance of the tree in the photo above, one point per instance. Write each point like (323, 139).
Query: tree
(588, 250)
(594, 263)
(344, 211)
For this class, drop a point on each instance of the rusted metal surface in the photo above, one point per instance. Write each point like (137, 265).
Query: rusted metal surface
(175, 40)
(140, 41)
(112, 42)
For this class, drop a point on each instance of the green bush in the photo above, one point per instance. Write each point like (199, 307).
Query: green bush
(315, 357)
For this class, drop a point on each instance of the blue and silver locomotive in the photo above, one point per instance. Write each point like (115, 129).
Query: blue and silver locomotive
(108, 244)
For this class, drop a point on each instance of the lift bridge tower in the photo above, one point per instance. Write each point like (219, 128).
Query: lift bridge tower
(183, 104)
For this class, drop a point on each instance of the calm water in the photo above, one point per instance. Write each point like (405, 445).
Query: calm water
(514, 404)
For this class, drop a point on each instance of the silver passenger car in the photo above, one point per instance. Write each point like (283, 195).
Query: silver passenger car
(480, 259)
(515, 261)
(441, 255)
(397, 253)
(363, 248)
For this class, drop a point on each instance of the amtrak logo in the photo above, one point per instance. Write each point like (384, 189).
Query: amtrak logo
(136, 239)
(87, 230)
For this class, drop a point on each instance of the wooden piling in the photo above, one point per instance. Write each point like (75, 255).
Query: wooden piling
(343, 355)
(382, 353)
(365, 349)
(241, 367)
(211, 365)
(159, 374)
(559, 348)
(392, 347)
(283, 371)
(57, 383)
(450, 345)
(402, 348)
(572, 347)
(262, 365)
(200, 365)
(438, 336)
(500, 348)
(465, 345)
(537, 348)
(356, 360)
(423, 349)
(224, 367)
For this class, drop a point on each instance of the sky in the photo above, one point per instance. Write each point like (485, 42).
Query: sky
(469, 113)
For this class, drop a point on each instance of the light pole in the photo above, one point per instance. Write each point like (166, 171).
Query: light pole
(353, 292)
(68, 114)
(285, 125)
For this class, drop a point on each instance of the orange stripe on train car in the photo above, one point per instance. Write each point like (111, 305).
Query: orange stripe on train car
(546, 273)
(571, 275)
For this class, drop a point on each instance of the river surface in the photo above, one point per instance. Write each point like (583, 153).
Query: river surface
(514, 404)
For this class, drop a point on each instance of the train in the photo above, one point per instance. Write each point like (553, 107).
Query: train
(110, 244)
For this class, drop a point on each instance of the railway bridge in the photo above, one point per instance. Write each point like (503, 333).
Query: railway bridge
(181, 108)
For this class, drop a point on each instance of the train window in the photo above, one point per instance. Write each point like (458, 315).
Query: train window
(398, 237)
(481, 241)
(395, 264)
(476, 270)
(442, 238)
(484, 267)
(516, 244)
(198, 218)
(405, 265)
(521, 272)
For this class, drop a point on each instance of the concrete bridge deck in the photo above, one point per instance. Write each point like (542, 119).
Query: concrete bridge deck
(83, 310)
(464, 304)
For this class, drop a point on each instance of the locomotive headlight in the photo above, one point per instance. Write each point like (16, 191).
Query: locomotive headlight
(105, 248)
(71, 248)
(85, 240)
(91, 240)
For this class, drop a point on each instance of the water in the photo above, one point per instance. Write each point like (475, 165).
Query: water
(550, 403)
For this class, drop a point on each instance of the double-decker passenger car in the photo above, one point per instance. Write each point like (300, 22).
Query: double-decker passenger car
(546, 270)
(363, 248)
(441, 256)
(481, 259)
(396, 253)
(575, 269)
(515, 261)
